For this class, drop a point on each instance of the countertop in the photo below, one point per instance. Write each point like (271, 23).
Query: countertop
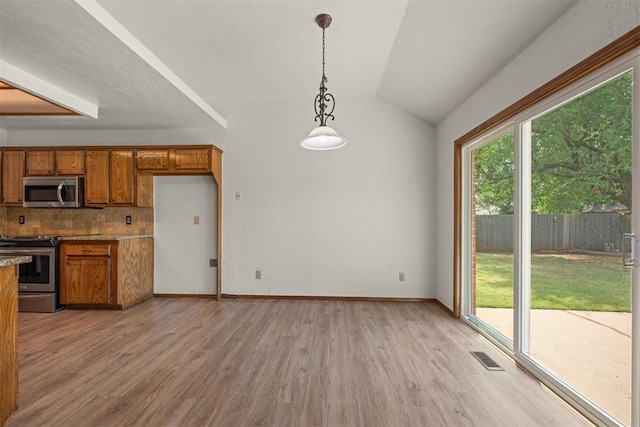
(6, 261)
(106, 237)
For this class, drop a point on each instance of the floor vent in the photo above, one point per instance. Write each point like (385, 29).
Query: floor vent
(486, 361)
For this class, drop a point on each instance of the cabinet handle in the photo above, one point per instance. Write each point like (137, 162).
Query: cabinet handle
(109, 281)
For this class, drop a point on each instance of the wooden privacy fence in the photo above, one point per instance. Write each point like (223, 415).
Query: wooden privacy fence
(600, 232)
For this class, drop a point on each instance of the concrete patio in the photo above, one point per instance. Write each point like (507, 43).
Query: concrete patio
(589, 350)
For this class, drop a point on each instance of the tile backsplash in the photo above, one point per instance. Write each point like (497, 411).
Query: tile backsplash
(75, 222)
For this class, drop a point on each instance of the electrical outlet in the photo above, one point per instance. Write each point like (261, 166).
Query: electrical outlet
(21, 219)
(238, 195)
(401, 276)
(258, 274)
(196, 220)
(213, 262)
(127, 219)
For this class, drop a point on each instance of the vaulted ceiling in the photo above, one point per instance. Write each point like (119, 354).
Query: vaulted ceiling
(155, 64)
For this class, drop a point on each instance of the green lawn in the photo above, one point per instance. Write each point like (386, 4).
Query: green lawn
(574, 282)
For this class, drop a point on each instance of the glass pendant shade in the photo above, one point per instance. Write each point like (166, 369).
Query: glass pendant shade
(323, 138)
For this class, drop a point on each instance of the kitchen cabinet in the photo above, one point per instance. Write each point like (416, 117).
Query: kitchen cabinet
(111, 273)
(96, 178)
(193, 159)
(70, 162)
(8, 340)
(40, 162)
(111, 180)
(87, 272)
(122, 179)
(152, 160)
(54, 162)
(13, 168)
(187, 160)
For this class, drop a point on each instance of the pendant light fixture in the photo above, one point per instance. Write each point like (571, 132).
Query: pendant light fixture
(323, 137)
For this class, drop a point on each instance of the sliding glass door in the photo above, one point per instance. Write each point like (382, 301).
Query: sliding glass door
(489, 202)
(577, 203)
(550, 228)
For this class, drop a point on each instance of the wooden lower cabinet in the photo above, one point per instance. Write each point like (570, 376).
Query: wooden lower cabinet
(87, 273)
(8, 341)
(106, 273)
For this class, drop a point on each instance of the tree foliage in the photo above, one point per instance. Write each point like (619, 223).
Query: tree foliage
(494, 175)
(580, 153)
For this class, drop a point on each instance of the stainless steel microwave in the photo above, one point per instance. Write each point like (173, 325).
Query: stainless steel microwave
(53, 192)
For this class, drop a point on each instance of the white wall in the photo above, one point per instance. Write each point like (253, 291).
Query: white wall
(585, 28)
(183, 248)
(339, 223)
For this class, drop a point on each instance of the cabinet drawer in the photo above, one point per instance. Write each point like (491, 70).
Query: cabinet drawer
(88, 250)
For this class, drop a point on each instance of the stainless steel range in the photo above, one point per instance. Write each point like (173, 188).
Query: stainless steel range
(39, 280)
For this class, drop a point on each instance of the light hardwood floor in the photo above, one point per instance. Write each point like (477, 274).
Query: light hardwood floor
(192, 362)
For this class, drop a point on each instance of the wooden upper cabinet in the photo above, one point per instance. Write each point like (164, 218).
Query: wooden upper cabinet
(40, 162)
(110, 178)
(113, 175)
(13, 168)
(55, 162)
(122, 177)
(187, 160)
(70, 162)
(152, 159)
(96, 178)
(193, 159)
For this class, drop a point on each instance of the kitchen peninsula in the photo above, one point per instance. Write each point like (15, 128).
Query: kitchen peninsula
(9, 334)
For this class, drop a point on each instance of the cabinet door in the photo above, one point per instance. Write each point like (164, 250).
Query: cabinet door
(70, 162)
(152, 159)
(86, 280)
(41, 162)
(12, 174)
(96, 178)
(193, 159)
(122, 178)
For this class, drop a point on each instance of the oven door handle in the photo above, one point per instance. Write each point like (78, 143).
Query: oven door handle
(59, 192)
(26, 251)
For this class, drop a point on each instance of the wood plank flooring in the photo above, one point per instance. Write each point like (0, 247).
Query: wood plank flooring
(192, 362)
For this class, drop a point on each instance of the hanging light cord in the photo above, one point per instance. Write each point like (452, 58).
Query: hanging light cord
(324, 78)
(324, 99)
